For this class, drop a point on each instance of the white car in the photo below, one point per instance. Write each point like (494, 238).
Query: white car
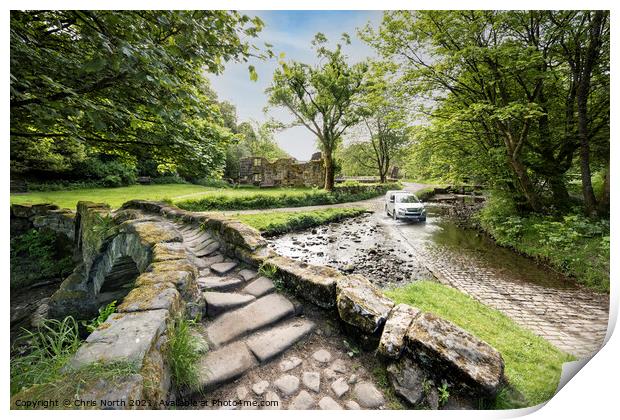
(404, 205)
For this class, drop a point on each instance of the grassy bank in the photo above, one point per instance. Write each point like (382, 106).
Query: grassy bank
(572, 244)
(268, 199)
(275, 223)
(533, 366)
(201, 198)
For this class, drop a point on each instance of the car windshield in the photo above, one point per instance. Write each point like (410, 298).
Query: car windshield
(407, 198)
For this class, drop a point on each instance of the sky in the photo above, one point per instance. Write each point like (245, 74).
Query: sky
(290, 32)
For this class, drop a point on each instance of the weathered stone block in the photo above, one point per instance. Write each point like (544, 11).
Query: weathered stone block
(407, 379)
(182, 280)
(242, 235)
(169, 251)
(446, 347)
(151, 297)
(392, 341)
(123, 337)
(152, 232)
(313, 283)
(361, 304)
(172, 265)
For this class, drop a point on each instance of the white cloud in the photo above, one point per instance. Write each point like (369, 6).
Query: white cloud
(291, 33)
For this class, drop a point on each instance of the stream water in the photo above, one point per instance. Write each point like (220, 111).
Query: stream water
(394, 253)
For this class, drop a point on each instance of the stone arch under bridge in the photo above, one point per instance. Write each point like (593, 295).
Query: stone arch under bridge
(115, 249)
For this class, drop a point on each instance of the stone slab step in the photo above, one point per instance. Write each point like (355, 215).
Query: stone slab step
(218, 302)
(209, 261)
(259, 287)
(223, 267)
(248, 274)
(268, 344)
(219, 284)
(197, 238)
(208, 249)
(224, 365)
(259, 314)
(199, 242)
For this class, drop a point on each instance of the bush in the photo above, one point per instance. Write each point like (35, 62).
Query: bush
(169, 179)
(39, 255)
(210, 182)
(574, 244)
(183, 350)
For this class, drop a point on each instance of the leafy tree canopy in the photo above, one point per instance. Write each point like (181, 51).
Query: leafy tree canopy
(120, 82)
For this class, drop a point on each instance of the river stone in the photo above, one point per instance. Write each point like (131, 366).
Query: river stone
(329, 374)
(241, 392)
(287, 384)
(260, 387)
(361, 304)
(274, 401)
(340, 387)
(312, 381)
(322, 356)
(316, 284)
(407, 380)
(328, 403)
(352, 405)
(392, 340)
(339, 366)
(455, 351)
(368, 395)
(290, 363)
(303, 401)
(122, 337)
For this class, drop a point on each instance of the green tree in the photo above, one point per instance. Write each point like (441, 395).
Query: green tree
(118, 82)
(499, 94)
(322, 98)
(384, 121)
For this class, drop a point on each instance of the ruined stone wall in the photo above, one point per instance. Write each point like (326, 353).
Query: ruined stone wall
(25, 217)
(283, 172)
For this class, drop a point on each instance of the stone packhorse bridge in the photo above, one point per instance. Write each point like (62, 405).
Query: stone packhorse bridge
(162, 262)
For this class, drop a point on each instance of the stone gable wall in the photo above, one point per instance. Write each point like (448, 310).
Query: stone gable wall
(283, 172)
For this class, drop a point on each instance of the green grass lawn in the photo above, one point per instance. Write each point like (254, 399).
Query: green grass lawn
(533, 365)
(273, 223)
(115, 197)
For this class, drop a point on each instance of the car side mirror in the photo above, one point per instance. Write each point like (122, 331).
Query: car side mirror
(392, 200)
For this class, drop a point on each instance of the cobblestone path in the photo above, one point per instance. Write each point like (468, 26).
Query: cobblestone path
(574, 319)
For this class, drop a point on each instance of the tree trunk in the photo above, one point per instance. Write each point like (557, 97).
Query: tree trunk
(527, 188)
(583, 91)
(329, 171)
(603, 202)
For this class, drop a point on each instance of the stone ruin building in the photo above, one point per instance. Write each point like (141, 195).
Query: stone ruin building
(283, 172)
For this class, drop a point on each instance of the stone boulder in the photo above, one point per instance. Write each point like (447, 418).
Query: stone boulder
(453, 351)
(392, 341)
(150, 297)
(361, 304)
(122, 337)
(407, 379)
(242, 235)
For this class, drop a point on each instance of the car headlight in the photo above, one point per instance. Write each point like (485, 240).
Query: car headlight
(401, 210)
(423, 211)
